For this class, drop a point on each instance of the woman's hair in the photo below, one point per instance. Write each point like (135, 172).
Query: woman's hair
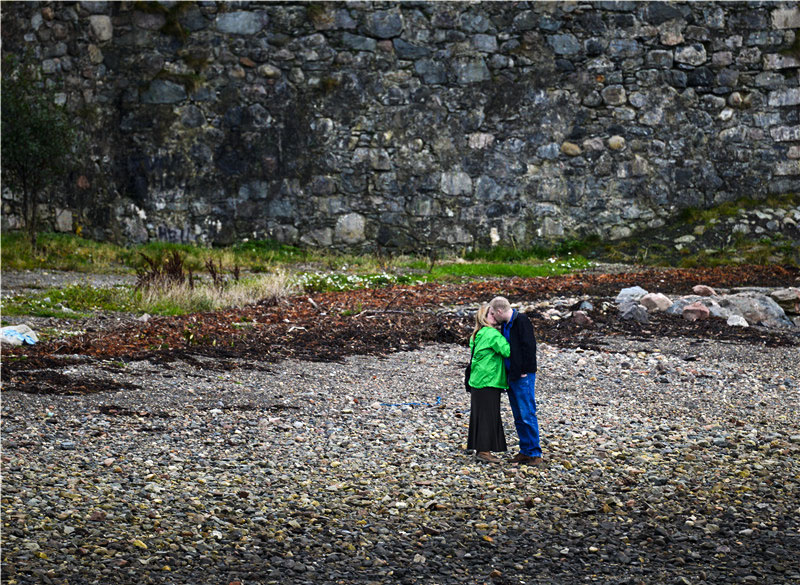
(480, 319)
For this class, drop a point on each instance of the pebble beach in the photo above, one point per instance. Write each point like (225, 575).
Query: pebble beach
(666, 461)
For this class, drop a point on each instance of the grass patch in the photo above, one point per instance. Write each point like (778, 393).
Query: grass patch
(78, 301)
(181, 299)
(421, 271)
(71, 252)
(257, 253)
(694, 215)
(330, 281)
(714, 244)
(551, 267)
(60, 252)
(740, 251)
(638, 250)
(70, 302)
(514, 254)
(194, 257)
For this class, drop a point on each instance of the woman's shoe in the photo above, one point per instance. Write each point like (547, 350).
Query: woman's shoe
(487, 457)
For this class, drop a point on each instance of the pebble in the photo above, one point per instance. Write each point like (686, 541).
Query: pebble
(657, 469)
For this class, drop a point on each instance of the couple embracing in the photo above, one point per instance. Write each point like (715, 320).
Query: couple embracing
(503, 349)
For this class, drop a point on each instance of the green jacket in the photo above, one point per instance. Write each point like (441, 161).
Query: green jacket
(488, 369)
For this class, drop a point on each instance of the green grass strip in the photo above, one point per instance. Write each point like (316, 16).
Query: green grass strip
(71, 302)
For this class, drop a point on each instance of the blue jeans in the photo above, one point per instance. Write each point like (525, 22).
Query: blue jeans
(522, 397)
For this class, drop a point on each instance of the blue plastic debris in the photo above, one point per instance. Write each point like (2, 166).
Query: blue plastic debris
(11, 332)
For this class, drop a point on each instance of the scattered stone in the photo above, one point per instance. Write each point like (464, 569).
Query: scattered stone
(552, 314)
(696, 312)
(788, 299)
(737, 321)
(703, 290)
(634, 312)
(582, 319)
(714, 308)
(655, 302)
(633, 293)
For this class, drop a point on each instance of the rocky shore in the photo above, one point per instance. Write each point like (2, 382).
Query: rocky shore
(667, 461)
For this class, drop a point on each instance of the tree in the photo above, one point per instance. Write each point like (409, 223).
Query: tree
(37, 138)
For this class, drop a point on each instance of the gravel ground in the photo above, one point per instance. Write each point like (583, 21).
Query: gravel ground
(667, 461)
(16, 282)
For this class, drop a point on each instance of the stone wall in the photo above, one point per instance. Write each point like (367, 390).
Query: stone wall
(413, 124)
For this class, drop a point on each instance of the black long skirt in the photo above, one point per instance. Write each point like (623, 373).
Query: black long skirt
(485, 427)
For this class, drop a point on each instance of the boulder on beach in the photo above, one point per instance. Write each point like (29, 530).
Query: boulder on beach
(696, 312)
(681, 303)
(788, 299)
(655, 302)
(703, 290)
(633, 293)
(756, 309)
(634, 312)
(737, 321)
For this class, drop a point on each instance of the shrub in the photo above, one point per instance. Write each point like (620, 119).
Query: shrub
(37, 138)
(180, 298)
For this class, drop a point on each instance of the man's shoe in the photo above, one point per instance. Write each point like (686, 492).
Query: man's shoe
(535, 461)
(487, 457)
(523, 459)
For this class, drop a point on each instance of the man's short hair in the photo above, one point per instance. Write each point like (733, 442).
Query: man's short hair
(500, 304)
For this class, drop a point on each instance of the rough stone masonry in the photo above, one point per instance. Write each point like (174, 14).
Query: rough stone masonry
(416, 124)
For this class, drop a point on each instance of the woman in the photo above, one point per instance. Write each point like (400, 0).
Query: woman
(488, 380)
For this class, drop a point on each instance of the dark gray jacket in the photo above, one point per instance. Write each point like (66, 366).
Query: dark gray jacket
(519, 332)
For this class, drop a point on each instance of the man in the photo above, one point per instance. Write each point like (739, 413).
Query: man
(521, 368)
